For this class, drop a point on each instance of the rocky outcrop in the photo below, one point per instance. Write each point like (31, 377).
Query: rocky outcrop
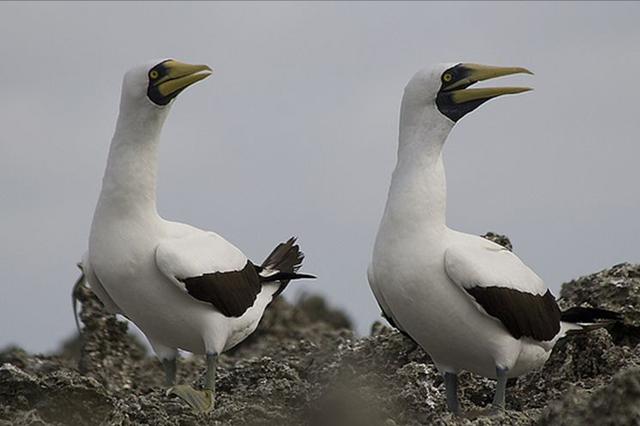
(305, 366)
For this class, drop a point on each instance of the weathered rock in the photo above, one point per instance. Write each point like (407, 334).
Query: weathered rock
(616, 289)
(285, 324)
(305, 366)
(61, 397)
(503, 240)
(585, 361)
(108, 352)
(617, 403)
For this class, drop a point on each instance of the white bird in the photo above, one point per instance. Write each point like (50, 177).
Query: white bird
(470, 303)
(185, 288)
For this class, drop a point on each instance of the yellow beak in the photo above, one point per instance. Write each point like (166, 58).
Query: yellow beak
(181, 76)
(475, 73)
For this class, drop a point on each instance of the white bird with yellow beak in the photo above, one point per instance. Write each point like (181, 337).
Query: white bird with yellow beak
(185, 288)
(470, 303)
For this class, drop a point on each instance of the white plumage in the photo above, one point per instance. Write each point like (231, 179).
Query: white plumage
(482, 263)
(470, 303)
(197, 253)
(185, 288)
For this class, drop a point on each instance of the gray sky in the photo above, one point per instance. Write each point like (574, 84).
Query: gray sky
(302, 113)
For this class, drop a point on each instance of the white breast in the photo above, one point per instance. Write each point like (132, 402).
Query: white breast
(434, 311)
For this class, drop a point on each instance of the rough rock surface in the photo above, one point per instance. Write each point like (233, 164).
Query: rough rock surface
(304, 366)
(503, 240)
(616, 289)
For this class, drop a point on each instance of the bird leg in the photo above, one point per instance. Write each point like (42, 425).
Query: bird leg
(497, 406)
(201, 401)
(170, 370)
(451, 390)
(210, 378)
(501, 387)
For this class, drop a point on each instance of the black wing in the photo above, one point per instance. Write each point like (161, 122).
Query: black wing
(232, 293)
(523, 314)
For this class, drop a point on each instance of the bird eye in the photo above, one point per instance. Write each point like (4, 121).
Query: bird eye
(447, 77)
(153, 74)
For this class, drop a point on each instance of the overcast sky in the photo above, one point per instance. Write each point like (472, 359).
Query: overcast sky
(302, 115)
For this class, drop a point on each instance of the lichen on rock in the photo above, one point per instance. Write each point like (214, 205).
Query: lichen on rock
(616, 289)
(305, 366)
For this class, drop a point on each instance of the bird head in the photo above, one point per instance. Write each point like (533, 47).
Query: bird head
(159, 82)
(445, 88)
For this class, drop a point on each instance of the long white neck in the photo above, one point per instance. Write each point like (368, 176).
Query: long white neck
(418, 194)
(129, 183)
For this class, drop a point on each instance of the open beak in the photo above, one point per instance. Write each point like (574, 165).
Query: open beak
(456, 99)
(473, 73)
(179, 76)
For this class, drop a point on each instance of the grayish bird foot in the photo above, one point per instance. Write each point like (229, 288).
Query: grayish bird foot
(200, 401)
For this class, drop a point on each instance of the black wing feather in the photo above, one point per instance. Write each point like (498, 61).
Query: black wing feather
(523, 314)
(232, 293)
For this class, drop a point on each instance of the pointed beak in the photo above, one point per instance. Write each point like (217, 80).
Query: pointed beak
(470, 74)
(180, 76)
(455, 99)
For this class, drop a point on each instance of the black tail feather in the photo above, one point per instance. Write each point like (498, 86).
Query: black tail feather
(589, 318)
(285, 259)
(281, 276)
(580, 315)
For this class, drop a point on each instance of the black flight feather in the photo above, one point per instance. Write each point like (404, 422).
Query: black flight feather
(580, 315)
(523, 314)
(232, 293)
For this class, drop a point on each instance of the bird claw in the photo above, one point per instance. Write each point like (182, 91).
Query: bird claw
(200, 401)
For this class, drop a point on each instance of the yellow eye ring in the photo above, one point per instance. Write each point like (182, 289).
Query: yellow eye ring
(153, 74)
(447, 77)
